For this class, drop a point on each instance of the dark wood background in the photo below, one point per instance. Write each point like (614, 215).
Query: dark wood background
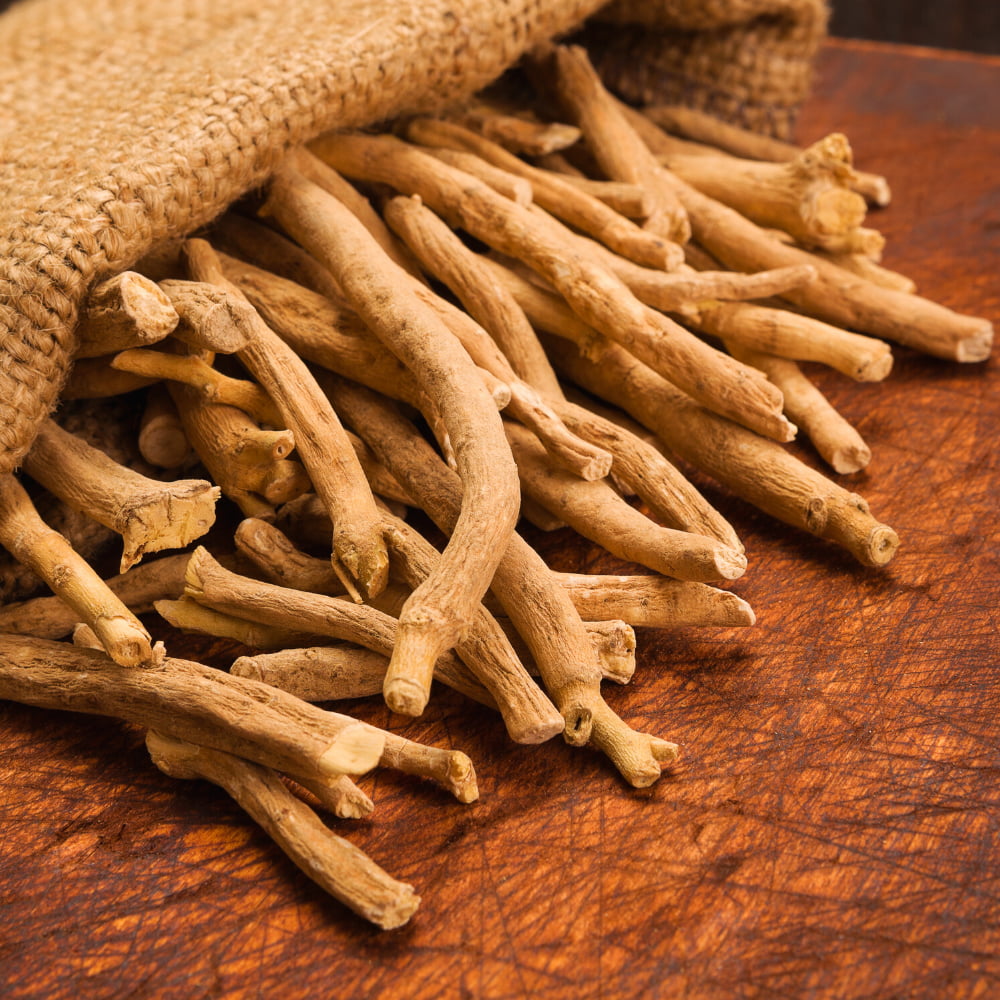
(833, 827)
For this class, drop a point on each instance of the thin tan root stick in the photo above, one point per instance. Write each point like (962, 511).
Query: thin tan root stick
(535, 514)
(149, 515)
(595, 294)
(540, 610)
(339, 796)
(834, 438)
(798, 338)
(250, 241)
(322, 331)
(210, 316)
(162, 441)
(837, 296)
(327, 179)
(629, 200)
(614, 643)
(191, 702)
(654, 602)
(52, 618)
(244, 460)
(502, 181)
(94, 378)
(595, 511)
(864, 267)
(518, 135)
(275, 555)
(443, 254)
(682, 289)
(649, 475)
(86, 638)
(318, 673)
(623, 156)
(809, 197)
(439, 609)
(211, 383)
(451, 769)
(189, 616)
(331, 862)
(529, 716)
(341, 670)
(496, 311)
(752, 467)
(320, 439)
(382, 481)
(739, 142)
(527, 713)
(217, 588)
(127, 310)
(557, 195)
(34, 544)
(638, 756)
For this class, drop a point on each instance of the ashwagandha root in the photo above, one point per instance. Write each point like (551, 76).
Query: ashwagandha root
(809, 197)
(645, 472)
(654, 602)
(53, 618)
(331, 862)
(752, 467)
(508, 184)
(187, 615)
(592, 291)
(541, 612)
(191, 702)
(320, 440)
(626, 199)
(212, 319)
(34, 544)
(195, 372)
(340, 796)
(837, 296)
(443, 254)
(740, 142)
(440, 609)
(148, 514)
(798, 338)
(318, 673)
(127, 310)
(620, 152)
(162, 441)
(557, 195)
(323, 331)
(516, 134)
(94, 378)
(840, 445)
(249, 464)
(864, 267)
(597, 512)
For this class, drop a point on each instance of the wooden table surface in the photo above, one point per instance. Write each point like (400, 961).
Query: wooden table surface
(833, 827)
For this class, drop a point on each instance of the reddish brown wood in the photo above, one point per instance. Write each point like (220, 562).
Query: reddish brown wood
(833, 828)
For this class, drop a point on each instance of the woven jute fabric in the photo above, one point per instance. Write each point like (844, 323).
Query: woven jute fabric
(123, 124)
(747, 61)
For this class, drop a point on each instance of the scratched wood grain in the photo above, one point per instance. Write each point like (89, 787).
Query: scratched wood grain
(833, 829)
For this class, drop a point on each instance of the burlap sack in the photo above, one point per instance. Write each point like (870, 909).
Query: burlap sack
(747, 61)
(123, 124)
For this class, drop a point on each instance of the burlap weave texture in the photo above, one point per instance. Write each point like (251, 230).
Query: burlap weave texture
(123, 124)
